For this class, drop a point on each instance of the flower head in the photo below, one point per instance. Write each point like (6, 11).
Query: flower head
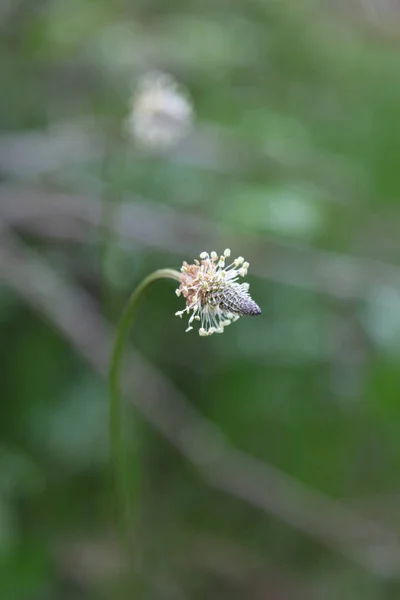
(213, 294)
(161, 113)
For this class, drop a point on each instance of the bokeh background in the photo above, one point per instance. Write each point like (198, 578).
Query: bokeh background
(264, 463)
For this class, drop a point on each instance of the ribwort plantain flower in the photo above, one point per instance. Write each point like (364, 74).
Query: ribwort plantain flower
(215, 299)
(161, 113)
(212, 293)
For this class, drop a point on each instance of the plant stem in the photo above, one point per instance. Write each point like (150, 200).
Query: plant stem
(117, 450)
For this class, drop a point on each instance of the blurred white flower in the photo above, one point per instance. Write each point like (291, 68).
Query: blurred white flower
(161, 113)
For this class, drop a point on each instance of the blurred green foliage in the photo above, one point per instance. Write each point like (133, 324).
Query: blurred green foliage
(295, 154)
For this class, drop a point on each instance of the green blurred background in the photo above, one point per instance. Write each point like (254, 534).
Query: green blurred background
(265, 463)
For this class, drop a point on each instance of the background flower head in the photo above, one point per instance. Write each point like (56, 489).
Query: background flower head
(161, 113)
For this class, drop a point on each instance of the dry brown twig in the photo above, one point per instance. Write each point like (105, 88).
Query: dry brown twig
(76, 317)
(73, 218)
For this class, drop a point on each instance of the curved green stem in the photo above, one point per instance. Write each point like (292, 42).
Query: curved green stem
(115, 433)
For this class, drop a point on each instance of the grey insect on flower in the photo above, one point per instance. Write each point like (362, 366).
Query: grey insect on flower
(213, 295)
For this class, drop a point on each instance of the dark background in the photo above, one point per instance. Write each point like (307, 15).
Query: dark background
(264, 463)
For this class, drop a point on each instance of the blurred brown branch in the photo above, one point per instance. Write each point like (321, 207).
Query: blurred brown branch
(89, 561)
(73, 217)
(71, 310)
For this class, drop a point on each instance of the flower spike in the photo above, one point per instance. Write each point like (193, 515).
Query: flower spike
(212, 293)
